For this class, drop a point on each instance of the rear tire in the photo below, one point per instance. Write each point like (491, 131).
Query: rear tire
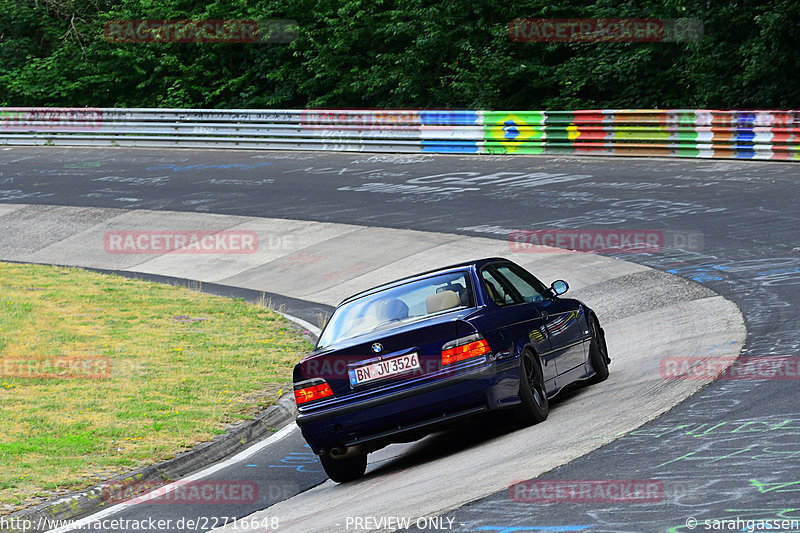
(535, 406)
(598, 352)
(344, 470)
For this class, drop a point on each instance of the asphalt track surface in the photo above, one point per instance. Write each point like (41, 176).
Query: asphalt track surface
(732, 451)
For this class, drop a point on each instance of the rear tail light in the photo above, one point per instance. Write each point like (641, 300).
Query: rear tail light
(311, 390)
(464, 348)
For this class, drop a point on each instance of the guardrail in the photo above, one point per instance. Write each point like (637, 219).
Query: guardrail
(773, 134)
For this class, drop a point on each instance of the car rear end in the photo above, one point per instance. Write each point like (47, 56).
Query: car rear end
(399, 380)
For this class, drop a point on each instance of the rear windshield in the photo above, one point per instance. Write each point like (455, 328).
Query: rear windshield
(397, 306)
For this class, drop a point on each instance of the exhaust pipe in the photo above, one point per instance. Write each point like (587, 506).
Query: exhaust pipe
(345, 452)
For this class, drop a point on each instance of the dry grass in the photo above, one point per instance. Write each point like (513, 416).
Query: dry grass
(182, 366)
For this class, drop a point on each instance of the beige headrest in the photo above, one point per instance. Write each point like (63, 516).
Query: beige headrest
(441, 301)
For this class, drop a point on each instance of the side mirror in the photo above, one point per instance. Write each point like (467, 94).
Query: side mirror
(559, 287)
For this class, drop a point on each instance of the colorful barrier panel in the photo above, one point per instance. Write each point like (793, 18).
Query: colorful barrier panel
(666, 133)
(703, 133)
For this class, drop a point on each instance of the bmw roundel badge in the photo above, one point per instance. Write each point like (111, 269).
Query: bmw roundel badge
(377, 347)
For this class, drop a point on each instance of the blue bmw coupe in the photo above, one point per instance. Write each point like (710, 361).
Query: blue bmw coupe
(403, 359)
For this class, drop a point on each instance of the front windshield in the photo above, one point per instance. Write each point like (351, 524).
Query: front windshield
(398, 305)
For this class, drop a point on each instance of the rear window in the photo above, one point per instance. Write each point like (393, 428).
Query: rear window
(397, 306)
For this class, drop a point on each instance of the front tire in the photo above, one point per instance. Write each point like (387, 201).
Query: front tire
(535, 406)
(598, 352)
(344, 470)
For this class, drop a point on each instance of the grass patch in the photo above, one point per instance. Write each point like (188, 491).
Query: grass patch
(168, 368)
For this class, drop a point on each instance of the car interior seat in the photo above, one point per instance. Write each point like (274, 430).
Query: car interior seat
(494, 294)
(459, 289)
(442, 301)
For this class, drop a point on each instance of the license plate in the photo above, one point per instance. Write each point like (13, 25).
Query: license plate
(384, 369)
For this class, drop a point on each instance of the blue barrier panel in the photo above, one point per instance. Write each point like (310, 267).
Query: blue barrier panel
(448, 118)
(450, 146)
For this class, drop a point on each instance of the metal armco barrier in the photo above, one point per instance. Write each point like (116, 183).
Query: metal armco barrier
(771, 134)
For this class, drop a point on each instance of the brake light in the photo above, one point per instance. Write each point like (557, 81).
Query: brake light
(312, 391)
(464, 348)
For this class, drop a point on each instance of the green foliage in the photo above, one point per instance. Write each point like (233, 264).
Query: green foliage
(399, 53)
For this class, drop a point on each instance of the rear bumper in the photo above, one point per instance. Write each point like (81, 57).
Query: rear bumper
(396, 416)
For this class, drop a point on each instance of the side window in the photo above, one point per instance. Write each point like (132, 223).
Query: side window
(530, 288)
(498, 289)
